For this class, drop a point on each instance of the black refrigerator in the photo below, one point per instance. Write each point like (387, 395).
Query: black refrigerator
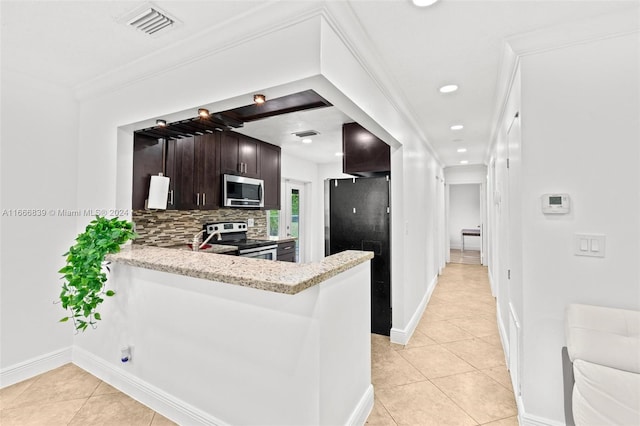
(357, 218)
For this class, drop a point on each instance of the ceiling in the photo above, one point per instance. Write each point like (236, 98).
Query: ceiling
(420, 49)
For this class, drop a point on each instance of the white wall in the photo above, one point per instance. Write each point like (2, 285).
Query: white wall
(464, 213)
(580, 132)
(39, 163)
(303, 171)
(475, 173)
(580, 109)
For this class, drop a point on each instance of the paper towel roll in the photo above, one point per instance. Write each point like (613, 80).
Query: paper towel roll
(158, 192)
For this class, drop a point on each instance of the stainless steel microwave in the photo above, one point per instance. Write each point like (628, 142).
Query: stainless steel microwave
(240, 191)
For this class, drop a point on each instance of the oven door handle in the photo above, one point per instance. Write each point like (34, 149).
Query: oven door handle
(255, 249)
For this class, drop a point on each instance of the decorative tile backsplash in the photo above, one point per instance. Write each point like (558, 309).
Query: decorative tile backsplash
(172, 227)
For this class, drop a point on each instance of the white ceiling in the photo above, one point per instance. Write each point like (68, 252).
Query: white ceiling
(71, 43)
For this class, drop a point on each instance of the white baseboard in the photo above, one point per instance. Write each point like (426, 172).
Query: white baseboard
(34, 366)
(147, 394)
(531, 420)
(361, 413)
(502, 331)
(401, 336)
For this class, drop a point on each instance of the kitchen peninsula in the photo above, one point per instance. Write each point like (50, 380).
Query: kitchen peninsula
(218, 339)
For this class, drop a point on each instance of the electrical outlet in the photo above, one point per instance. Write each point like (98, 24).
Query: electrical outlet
(250, 222)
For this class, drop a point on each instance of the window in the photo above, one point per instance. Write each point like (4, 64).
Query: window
(273, 223)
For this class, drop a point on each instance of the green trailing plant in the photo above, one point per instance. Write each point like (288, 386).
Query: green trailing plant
(84, 277)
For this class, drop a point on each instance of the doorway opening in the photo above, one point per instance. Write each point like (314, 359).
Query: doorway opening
(465, 223)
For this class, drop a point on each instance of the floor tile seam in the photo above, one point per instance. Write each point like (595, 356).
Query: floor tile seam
(453, 341)
(429, 378)
(483, 371)
(79, 409)
(470, 363)
(41, 404)
(96, 389)
(387, 410)
(453, 401)
(497, 420)
(23, 391)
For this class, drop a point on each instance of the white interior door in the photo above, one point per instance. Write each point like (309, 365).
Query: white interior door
(295, 216)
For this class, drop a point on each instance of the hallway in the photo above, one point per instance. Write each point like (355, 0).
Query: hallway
(453, 369)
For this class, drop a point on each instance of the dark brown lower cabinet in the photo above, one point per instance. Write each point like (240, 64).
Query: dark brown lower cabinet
(287, 251)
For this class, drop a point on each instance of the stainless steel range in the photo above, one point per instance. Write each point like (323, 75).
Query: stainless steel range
(235, 234)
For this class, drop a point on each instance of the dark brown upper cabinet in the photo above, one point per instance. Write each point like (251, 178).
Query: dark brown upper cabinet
(240, 155)
(270, 173)
(147, 161)
(194, 172)
(195, 166)
(364, 154)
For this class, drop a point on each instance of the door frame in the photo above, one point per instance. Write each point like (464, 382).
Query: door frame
(303, 215)
(483, 217)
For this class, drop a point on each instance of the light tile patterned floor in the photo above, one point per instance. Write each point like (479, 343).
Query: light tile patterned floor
(469, 257)
(453, 371)
(70, 396)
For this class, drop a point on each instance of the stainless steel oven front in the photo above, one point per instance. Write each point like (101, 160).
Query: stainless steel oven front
(264, 252)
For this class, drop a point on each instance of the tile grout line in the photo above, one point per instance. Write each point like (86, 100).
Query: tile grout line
(85, 403)
(451, 399)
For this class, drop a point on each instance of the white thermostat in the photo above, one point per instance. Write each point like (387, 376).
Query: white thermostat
(555, 203)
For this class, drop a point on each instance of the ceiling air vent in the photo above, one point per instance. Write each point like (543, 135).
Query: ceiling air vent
(306, 133)
(150, 21)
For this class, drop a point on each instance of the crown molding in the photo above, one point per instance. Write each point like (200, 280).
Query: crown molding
(344, 22)
(623, 22)
(269, 17)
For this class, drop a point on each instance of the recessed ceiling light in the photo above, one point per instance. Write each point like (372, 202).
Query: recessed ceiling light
(464, 162)
(457, 127)
(203, 112)
(161, 123)
(424, 3)
(339, 154)
(448, 88)
(259, 98)
(462, 149)
(306, 140)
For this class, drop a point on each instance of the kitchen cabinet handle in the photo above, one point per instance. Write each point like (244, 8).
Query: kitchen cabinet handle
(198, 199)
(171, 199)
(204, 195)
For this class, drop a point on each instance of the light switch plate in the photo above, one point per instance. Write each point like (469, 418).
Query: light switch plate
(591, 245)
(250, 222)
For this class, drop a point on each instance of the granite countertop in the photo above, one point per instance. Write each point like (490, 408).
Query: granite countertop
(209, 248)
(282, 239)
(269, 275)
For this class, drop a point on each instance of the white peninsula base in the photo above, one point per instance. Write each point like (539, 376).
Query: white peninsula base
(207, 352)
